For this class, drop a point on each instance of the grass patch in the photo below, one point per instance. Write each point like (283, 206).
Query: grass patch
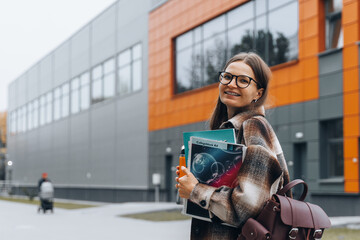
(341, 234)
(56, 204)
(159, 216)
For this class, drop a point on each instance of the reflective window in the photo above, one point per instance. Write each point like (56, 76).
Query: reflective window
(29, 116)
(65, 100)
(241, 14)
(85, 91)
(124, 58)
(253, 26)
(109, 78)
(136, 52)
(57, 103)
(260, 6)
(24, 120)
(215, 57)
(283, 34)
(42, 110)
(334, 31)
(35, 113)
(124, 80)
(49, 99)
(97, 85)
(75, 95)
(214, 27)
(241, 38)
(130, 70)
(137, 78)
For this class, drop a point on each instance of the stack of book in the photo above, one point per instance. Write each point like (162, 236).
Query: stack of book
(215, 159)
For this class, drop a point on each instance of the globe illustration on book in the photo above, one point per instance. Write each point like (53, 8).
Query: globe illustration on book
(206, 169)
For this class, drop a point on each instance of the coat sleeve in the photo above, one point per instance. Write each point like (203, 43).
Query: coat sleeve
(258, 178)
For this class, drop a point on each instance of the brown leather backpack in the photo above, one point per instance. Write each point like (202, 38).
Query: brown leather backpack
(285, 218)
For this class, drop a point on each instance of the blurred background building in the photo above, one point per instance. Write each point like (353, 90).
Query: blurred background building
(3, 133)
(105, 110)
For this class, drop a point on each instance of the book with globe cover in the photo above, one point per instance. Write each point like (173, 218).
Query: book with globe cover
(215, 163)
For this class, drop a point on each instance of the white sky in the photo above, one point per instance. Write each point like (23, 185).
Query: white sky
(30, 29)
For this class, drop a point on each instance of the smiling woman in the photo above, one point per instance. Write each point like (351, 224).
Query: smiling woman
(243, 90)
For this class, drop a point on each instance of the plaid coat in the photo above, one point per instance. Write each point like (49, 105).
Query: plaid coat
(262, 173)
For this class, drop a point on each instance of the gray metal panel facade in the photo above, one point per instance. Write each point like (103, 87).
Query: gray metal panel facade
(103, 36)
(80, 51)
(33, 83)
(101, 152)
(46, 74)
(62, 64)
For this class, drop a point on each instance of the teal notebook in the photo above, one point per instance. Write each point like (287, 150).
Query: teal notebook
(227, 135)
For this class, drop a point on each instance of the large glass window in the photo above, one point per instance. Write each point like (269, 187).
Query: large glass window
(130, 70)
(49, 99)
(85, 91)
(109, 78)
(30, 115)
(254, 26)
(103, 81)
(42, 110)
(75, 95)
(35, 113)
(97, 85)
(332, 152)
(65, 100)
(57, 103)
(334, 32)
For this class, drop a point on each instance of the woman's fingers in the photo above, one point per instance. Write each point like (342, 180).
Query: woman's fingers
(185, 170)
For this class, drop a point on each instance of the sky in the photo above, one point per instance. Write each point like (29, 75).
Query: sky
(30, 29)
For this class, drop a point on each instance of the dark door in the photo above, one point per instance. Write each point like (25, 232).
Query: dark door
(300, 159)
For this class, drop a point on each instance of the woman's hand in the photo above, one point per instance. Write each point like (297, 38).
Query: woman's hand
(186, 183)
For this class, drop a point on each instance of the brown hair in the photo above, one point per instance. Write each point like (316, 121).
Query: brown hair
(262, 76)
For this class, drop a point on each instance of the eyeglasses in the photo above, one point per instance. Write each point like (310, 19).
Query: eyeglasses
(242, 81)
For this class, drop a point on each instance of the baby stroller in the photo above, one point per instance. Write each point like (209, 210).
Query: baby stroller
(46, 196)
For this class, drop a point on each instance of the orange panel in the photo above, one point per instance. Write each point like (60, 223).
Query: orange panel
(351, 33)
(351, 147)
(297, 92)
(310, 28)
(311, 89)
(351, 80)
(310, 47)
(282, 96)
(350, 13)
(346, 2)
(351, 103)
(307, 9)
(295, 73)
(281, 76)
(350, 56)
(351, 169)
(310, 67)
(352, 186)
(351, 126)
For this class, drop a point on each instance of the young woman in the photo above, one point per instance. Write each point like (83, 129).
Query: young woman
(243, 89)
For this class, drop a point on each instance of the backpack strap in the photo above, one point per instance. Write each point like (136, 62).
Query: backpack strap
(292, 184)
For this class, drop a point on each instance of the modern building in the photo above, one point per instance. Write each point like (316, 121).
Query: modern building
(3, 133)
(106, 110)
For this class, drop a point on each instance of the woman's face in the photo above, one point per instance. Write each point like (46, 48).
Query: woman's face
(233, 96)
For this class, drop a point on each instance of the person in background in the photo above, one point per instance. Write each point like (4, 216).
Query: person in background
(44, 178)
(243, 88)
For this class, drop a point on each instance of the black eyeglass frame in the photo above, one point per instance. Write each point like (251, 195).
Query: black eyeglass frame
(236, 80)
